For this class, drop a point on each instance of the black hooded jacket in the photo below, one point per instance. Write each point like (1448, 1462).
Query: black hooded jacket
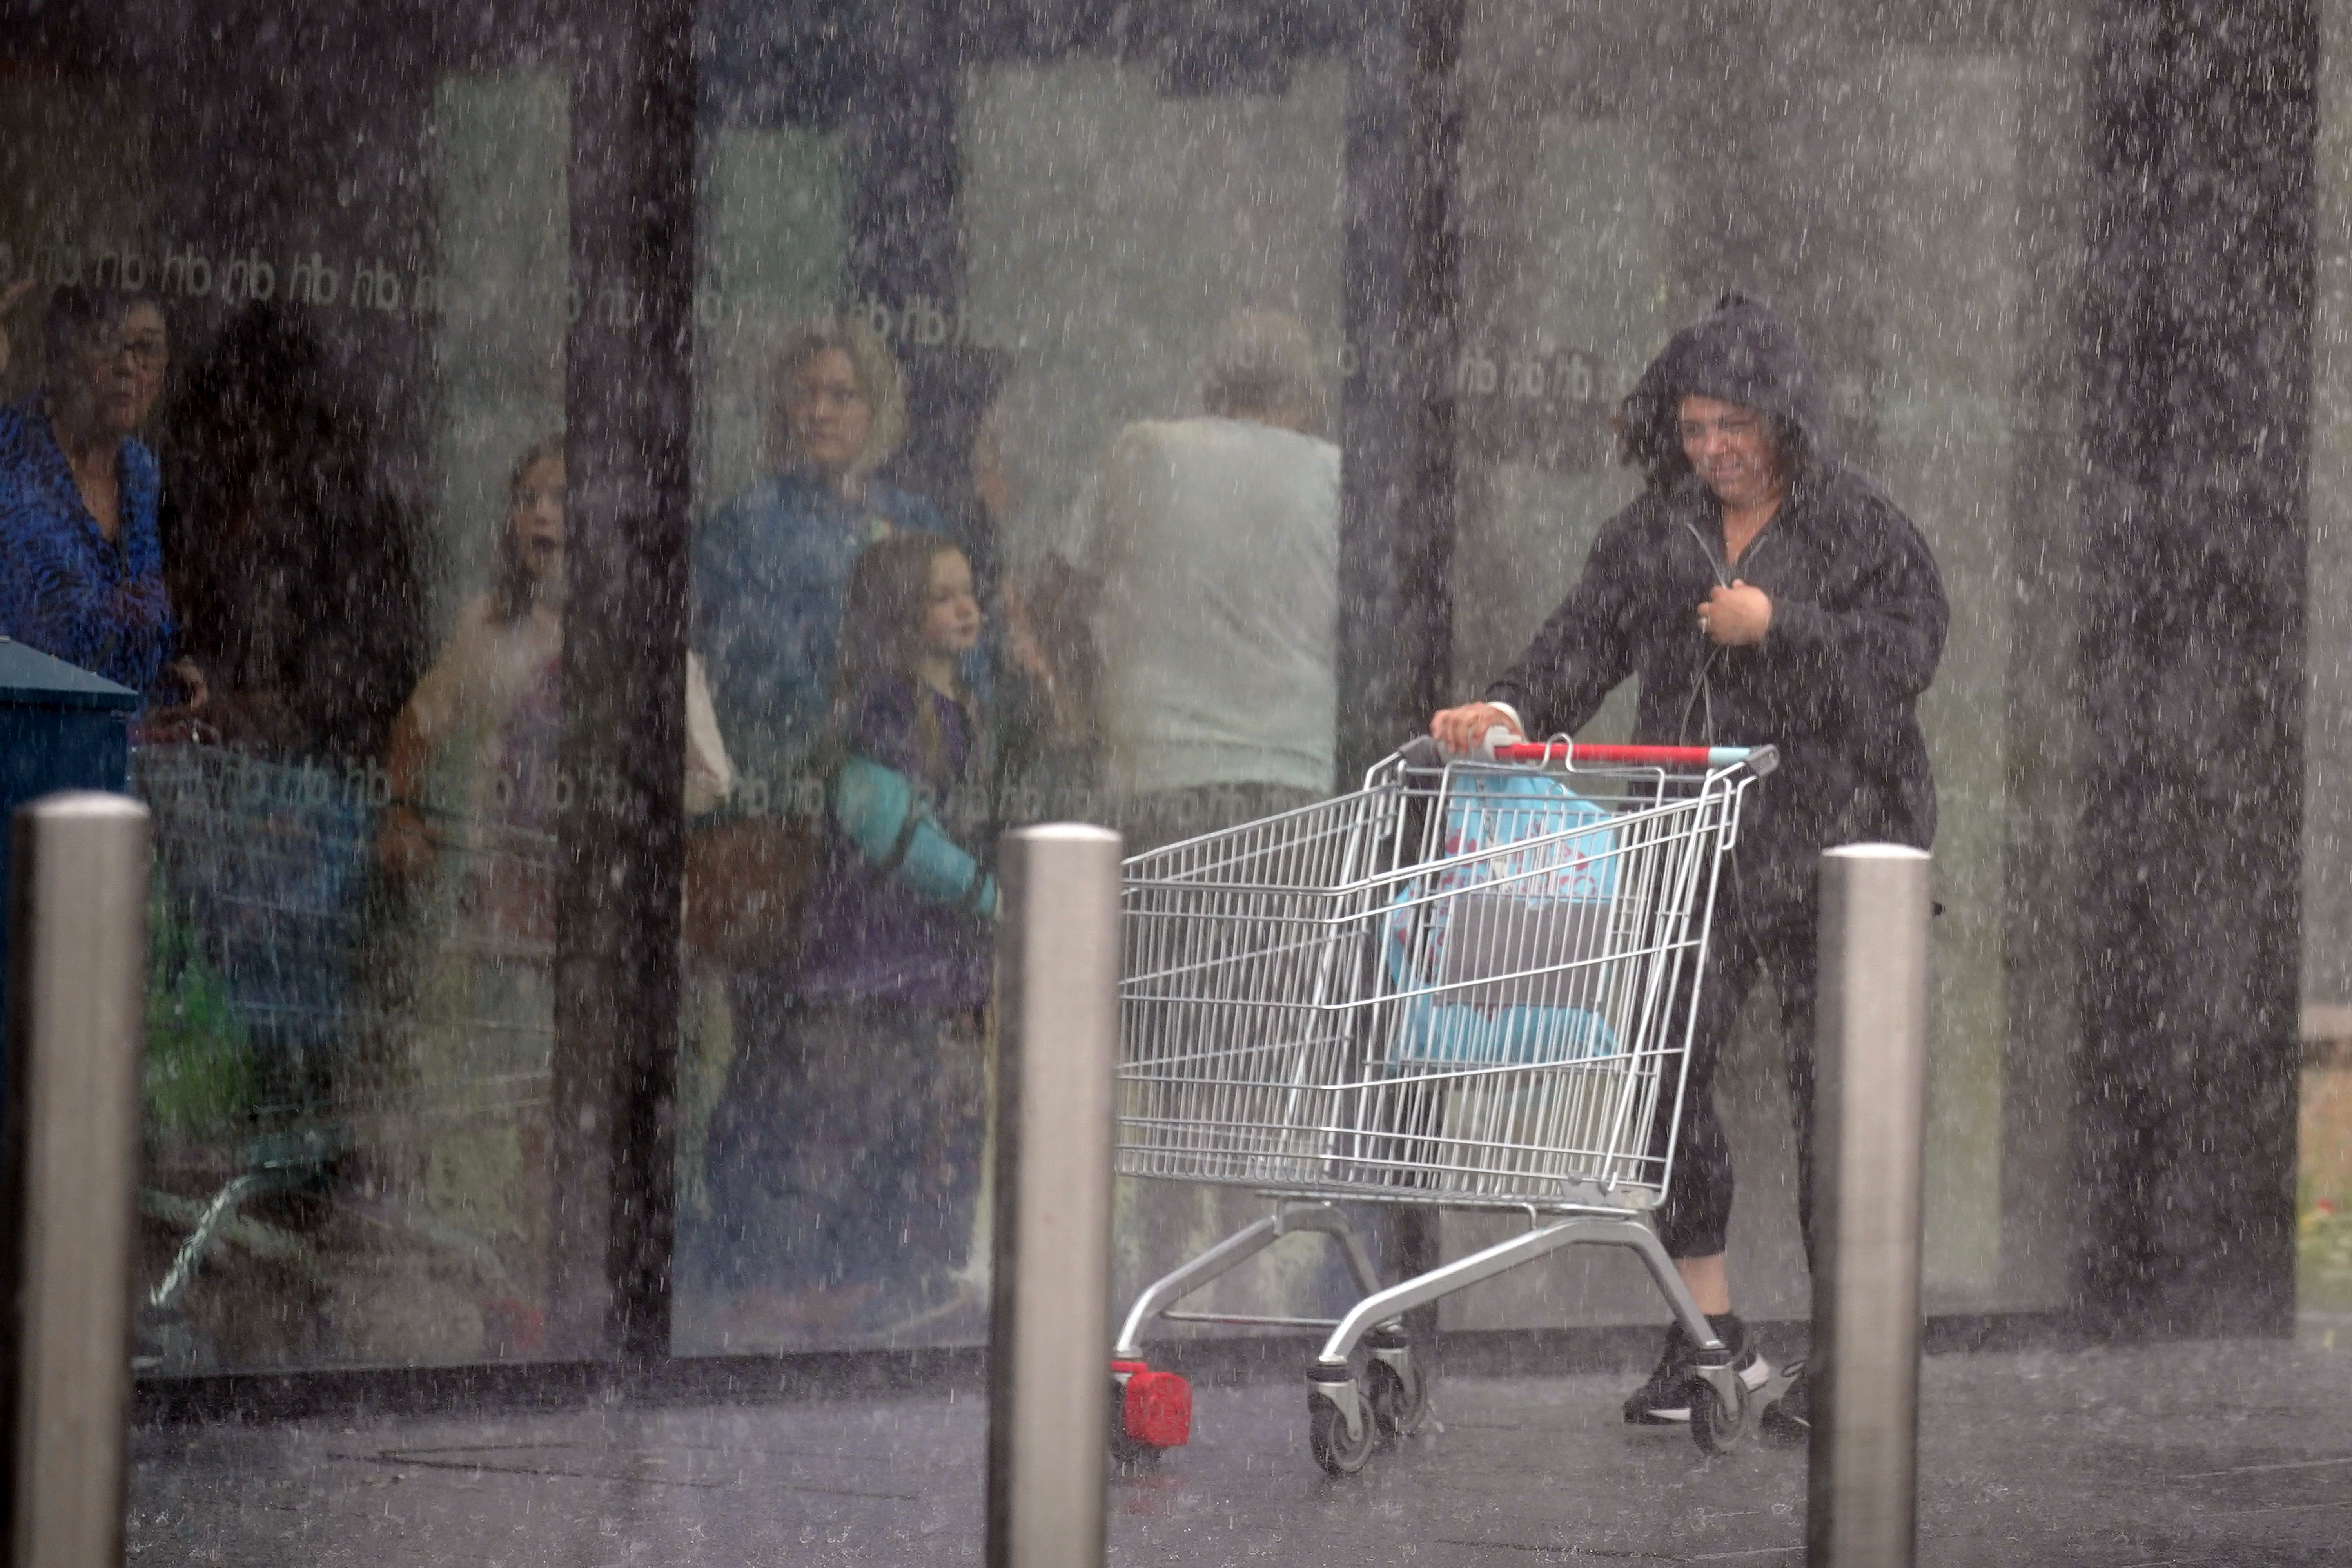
(1858, 617)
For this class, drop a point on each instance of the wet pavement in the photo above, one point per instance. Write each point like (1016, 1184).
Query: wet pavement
(2235, 1453)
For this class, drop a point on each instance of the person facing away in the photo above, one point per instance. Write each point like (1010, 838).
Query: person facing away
(771, 566)
(296, 571)
(1211, 546)
(844, 1155)
(1760, 590)
(81, 561)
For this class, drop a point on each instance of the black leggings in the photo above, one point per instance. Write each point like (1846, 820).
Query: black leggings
(1697, 1209)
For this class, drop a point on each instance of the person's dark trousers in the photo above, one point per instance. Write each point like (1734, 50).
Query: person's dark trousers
(1778, 944)
(846, 1149)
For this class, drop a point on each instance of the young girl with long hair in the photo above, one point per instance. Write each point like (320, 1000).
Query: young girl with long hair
(845, 1159)
(468, 835)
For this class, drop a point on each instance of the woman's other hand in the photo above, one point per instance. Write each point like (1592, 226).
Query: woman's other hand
(1464, 730)
(1022, 645)
(181, 723)
(1737, 617)
(191, 676)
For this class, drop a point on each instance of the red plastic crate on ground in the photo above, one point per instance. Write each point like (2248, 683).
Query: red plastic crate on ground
(1159, 1409)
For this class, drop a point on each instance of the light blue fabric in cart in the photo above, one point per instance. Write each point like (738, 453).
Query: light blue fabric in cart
(1479, 913)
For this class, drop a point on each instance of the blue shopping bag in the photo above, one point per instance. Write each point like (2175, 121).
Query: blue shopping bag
(1491, 949)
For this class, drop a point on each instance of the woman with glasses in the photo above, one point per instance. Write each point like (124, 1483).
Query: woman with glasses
(772, 566)
(81, 567)
(771, 571)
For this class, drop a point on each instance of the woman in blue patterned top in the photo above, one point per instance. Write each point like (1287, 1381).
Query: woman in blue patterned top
(81, 568)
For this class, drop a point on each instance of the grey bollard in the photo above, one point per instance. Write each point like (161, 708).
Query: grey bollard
(1870, 1095)
(1049, 1378)
(70, 1174)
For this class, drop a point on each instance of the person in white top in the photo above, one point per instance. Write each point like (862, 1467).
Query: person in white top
(1214, 544)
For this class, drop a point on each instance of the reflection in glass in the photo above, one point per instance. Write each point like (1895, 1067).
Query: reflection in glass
(296, 570)
(843, 623)
(81, 576)
(1213, 544)
(845, 1158)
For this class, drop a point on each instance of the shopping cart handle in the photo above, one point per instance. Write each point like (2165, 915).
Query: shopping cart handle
(1760, 759)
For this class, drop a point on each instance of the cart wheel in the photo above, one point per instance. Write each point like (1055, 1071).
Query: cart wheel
(1128, 1453)
(1714, 1427)
(1399, 1401)
(1326, 1435)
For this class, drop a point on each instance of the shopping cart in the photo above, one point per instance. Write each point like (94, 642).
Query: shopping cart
(284, 1008)
(1469, 984)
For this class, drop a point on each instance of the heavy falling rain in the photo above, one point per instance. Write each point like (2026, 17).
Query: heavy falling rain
(593, 528)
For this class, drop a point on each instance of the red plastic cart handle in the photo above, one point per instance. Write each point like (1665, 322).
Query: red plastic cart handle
(1760, 758)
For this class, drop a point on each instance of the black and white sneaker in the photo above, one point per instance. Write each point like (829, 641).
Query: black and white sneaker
(1661, 1401)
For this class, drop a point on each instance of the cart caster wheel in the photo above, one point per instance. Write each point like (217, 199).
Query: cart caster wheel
(1714, 1427)
(1327, 1436)
(1399, 1399)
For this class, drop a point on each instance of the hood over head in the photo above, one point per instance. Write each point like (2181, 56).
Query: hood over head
(1741, 352)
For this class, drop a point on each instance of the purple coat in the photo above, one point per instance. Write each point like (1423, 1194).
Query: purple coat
(865, 937)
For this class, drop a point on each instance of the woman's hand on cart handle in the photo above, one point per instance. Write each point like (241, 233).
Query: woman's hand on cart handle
(1464, 730)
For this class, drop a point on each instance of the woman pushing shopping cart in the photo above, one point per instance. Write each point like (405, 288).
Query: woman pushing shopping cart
(1760, 588)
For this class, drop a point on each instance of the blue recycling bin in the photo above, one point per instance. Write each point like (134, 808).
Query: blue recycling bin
(60, 728)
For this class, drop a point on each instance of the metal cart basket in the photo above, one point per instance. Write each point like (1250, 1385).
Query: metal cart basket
(1469, 984)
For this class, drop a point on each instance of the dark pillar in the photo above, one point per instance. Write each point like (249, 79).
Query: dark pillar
(905, 175)
(906, 165)
(1396, 410)
(629, 409)
(2196, 344)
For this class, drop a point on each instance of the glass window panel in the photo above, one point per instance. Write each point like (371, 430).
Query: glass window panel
(362, 285)
(1111, 217)
(499, 145)
(774, 246)
(1117, 306)
(2324, 1184)
(1945, 418)
(1109, 230)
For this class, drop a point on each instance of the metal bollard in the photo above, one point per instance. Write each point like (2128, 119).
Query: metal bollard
(70, 1174)
(1870, 1089)
(1057, 988)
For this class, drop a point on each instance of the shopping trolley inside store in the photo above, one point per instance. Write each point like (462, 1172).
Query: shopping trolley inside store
(301, 1024)
(1469, 984)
